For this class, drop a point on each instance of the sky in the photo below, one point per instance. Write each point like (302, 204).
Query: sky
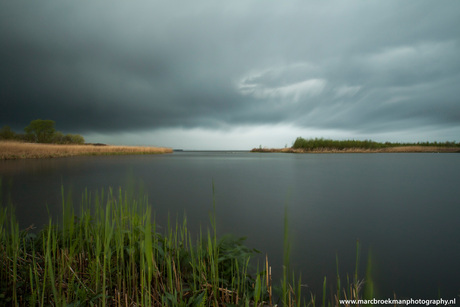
(232, 74)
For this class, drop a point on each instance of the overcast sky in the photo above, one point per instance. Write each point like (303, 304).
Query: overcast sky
(234, 74)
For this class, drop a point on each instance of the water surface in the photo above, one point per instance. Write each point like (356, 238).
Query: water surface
(405, 208)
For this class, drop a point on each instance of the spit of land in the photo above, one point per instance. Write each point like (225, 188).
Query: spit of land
(396, 149)
(10, 150)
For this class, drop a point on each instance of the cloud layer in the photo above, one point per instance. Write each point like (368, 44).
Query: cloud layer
(113, 66)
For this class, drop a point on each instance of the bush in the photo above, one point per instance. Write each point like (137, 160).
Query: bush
(41, 131)
(74, 139)
(312, 144)
(7, 134)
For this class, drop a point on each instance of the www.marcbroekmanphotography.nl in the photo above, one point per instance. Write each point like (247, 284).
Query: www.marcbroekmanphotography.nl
(407, 302)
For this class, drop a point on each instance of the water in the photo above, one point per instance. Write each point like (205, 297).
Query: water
(404, 208)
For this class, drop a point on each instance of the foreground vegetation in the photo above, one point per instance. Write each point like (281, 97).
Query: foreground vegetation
(112, 254)
(17, 150)
(328, 145)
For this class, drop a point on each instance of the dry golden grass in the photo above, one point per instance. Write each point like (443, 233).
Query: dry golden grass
(18, 150)
(421, 149)
(401, 149)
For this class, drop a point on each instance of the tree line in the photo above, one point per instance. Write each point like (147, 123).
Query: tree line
(318, 143)
(41, 131)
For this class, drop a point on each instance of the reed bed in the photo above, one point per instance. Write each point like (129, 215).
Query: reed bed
(19, 150)
(420, 148)
(397, 149)
(111, 253)
(320, 145)
(328, 145)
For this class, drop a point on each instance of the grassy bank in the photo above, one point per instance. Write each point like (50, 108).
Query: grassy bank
(321, 145)
(114, 255)
(19, 150)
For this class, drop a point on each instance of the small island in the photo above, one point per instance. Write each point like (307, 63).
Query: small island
(320, 145)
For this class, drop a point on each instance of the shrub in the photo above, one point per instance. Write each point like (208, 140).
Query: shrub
(41, 131)
(6, 133)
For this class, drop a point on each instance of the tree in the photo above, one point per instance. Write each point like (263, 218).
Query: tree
(6, 133)
(41, 130)
(75, 138)
(58, 138)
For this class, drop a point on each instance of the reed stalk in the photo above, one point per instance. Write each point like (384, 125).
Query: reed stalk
(111, 254)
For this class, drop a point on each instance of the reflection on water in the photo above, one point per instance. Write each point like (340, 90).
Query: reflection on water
(403, 207)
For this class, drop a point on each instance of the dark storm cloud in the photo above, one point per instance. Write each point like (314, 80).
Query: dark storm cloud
(118, 66)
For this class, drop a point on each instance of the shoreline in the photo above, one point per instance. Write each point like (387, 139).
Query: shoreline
(397, 149)
(13, 150)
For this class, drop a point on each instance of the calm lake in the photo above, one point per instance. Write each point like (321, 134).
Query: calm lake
(405, 208)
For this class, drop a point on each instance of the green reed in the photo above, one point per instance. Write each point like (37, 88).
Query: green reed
(111, 253)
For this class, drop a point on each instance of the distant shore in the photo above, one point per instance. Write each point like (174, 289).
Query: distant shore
(397, 149)
(12, 150)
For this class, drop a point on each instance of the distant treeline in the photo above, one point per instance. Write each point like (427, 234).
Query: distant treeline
(41, 131)
(319, 143)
